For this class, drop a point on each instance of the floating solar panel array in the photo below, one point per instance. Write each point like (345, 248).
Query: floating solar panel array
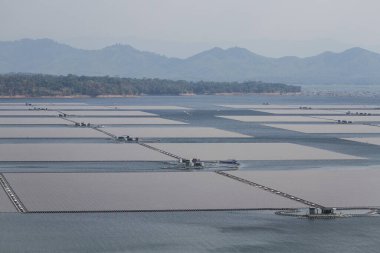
(173, 191)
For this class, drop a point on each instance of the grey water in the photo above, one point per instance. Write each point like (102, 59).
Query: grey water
(237, 231)
(219, 231)
(205, 101)
(342, 90)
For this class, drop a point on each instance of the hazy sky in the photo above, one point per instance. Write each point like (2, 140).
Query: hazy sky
(184, 27)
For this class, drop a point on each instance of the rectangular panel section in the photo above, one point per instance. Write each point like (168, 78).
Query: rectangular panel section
(15, 107)
(333, 188)
(320, 106)
(274, 118)
(328, 128)
(108, 113)
(324, 106)
(60, 104)
(299, 111)
(148, 107)
(128, 121)
(360, 111)
(33, 121)
(39, 104)
(12, 104)
(172, 132)
(50, 132)
(253, 106)
(78, 152)
(369, 140)
(139, 191)
(76, 107)
(353, 118)
(250, 151)
(29, 113)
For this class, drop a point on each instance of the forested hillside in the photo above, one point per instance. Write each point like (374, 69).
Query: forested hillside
(35, 85)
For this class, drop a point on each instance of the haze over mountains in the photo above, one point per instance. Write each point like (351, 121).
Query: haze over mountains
(353, 66)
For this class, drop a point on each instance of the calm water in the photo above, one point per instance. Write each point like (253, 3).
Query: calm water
(253, 231)
(248, 231)
(208, 102)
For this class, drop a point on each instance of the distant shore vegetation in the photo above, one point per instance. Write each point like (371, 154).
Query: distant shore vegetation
(40, 85)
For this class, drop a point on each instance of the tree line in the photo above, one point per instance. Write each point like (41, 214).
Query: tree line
(36, 85)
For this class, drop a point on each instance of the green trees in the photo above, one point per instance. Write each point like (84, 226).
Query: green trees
(35, 85)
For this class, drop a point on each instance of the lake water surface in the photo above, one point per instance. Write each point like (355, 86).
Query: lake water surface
(218, 231)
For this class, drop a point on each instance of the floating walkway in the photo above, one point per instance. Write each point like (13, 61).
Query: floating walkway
(104, 132)
(140, 143)
(271, 190)
(286, 211)
(367, 212)
(160, 150)
(12, 195)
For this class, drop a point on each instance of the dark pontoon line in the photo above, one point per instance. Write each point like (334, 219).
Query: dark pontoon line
(165, 210)
(188, 210)
(12, 195)
(271, 190)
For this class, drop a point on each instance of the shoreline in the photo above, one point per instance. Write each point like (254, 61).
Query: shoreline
(145, 95)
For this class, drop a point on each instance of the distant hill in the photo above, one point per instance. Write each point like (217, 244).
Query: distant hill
(353, 66)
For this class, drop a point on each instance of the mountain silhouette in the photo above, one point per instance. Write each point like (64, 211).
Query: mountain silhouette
(353, 66)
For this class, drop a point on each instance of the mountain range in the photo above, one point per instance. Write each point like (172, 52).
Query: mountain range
(353, 66)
